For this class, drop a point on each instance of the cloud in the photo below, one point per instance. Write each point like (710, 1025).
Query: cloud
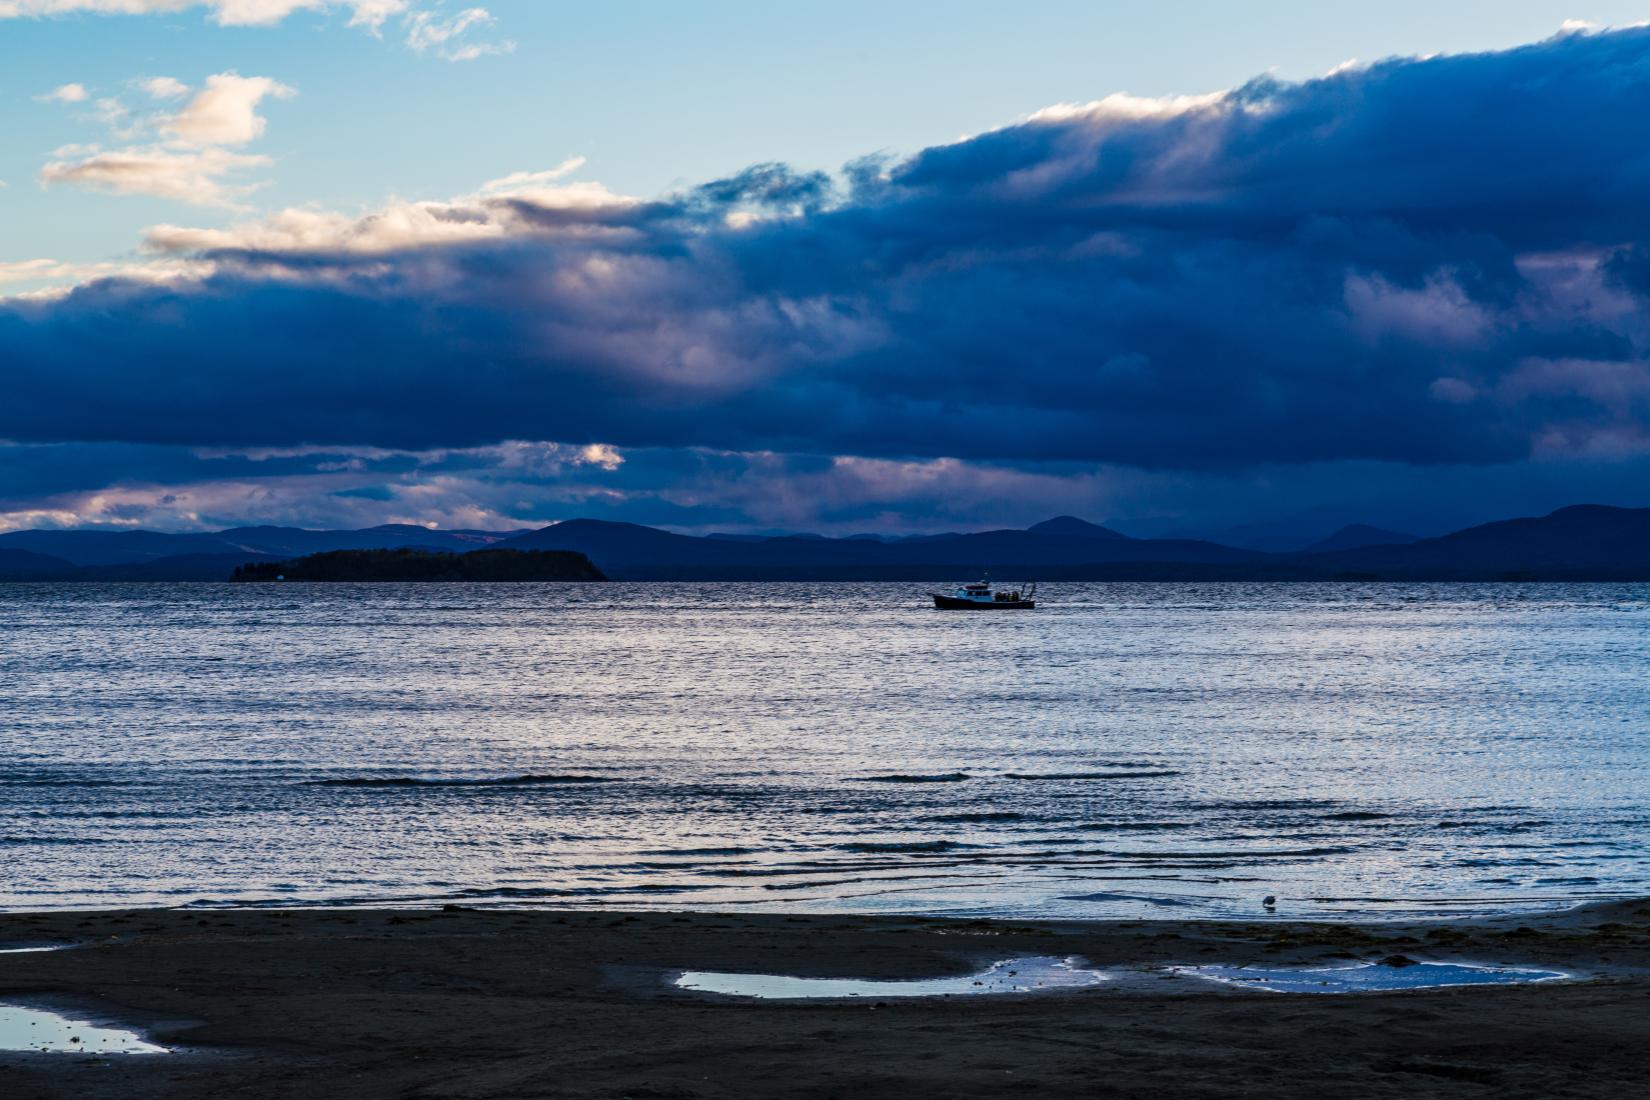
(188, 162)
(203, 177)
(512, 484)
(289, 237)
(65, 93)
(228, 13)
(1415, 265)
(225, 112)
(43, 280)
(425, 29)
(522, 483)
(373, 14)
(448, 37)
(520, 182)
(165, 87)
(20, 271)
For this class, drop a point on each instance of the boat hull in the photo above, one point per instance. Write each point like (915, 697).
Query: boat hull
(952, 603)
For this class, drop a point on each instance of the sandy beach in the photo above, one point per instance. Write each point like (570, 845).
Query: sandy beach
(465, 1003)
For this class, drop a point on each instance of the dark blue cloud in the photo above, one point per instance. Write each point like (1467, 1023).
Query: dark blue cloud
(521, 484)
(1428, 262)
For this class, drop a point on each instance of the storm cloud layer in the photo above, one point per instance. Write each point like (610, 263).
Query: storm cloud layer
(1421, 262)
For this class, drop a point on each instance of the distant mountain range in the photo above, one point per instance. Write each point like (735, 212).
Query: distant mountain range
(1060, 547)
(1586, 542)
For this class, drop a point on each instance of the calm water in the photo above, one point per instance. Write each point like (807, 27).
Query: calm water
(1167, 749)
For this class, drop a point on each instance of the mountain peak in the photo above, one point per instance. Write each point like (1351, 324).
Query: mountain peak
(1070, 527)
(1355, 536)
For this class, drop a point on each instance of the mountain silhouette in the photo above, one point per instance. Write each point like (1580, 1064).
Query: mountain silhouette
(1582, 542)
(1070, 527)
(1585, 542)
(628, 551)
(1355, 536)
(27, 565)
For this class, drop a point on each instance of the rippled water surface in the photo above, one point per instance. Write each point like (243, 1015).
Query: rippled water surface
(1124, 749)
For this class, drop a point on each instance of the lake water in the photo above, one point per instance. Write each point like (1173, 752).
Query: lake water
(1125, 749)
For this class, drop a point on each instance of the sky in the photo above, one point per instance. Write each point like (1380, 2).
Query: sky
(1182, 267)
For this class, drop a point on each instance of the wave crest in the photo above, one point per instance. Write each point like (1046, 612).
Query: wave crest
(498, 781)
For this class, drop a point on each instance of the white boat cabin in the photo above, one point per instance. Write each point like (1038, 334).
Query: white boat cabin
(984, 593)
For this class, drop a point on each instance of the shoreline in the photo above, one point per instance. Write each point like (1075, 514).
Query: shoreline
(1424, 914)
(466, 1003)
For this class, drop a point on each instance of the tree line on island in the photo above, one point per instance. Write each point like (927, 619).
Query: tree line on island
(408, 564)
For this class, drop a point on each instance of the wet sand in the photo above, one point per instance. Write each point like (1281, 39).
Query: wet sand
(544, 1004)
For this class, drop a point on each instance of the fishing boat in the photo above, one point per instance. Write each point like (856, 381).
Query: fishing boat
(983, 597)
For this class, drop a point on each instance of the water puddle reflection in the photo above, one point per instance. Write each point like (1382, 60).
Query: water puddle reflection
(35, 1029)
(1037, 974)
(1368, 977)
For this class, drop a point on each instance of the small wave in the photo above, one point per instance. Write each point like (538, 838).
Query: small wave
(1357, 815)
(1134, 826)
(477, 893)
(1236, 853)
(426, 900)
(700, 851)
(42, 841)
(1269, 804)
(870, 847)
(1161, 902)
(1157, 774)
(502, 781)
(901, 777)
(1494, 826)
(43, 781)
(58, 813)
(978, 818)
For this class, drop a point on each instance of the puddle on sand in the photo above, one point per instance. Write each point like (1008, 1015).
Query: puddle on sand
(35, 1029)
(1038, 974)
(1367, 977)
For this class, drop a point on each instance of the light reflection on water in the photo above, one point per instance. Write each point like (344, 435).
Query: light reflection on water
(33, 1029)
(1031, 974)
(1126, 749)
(1368, 977)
